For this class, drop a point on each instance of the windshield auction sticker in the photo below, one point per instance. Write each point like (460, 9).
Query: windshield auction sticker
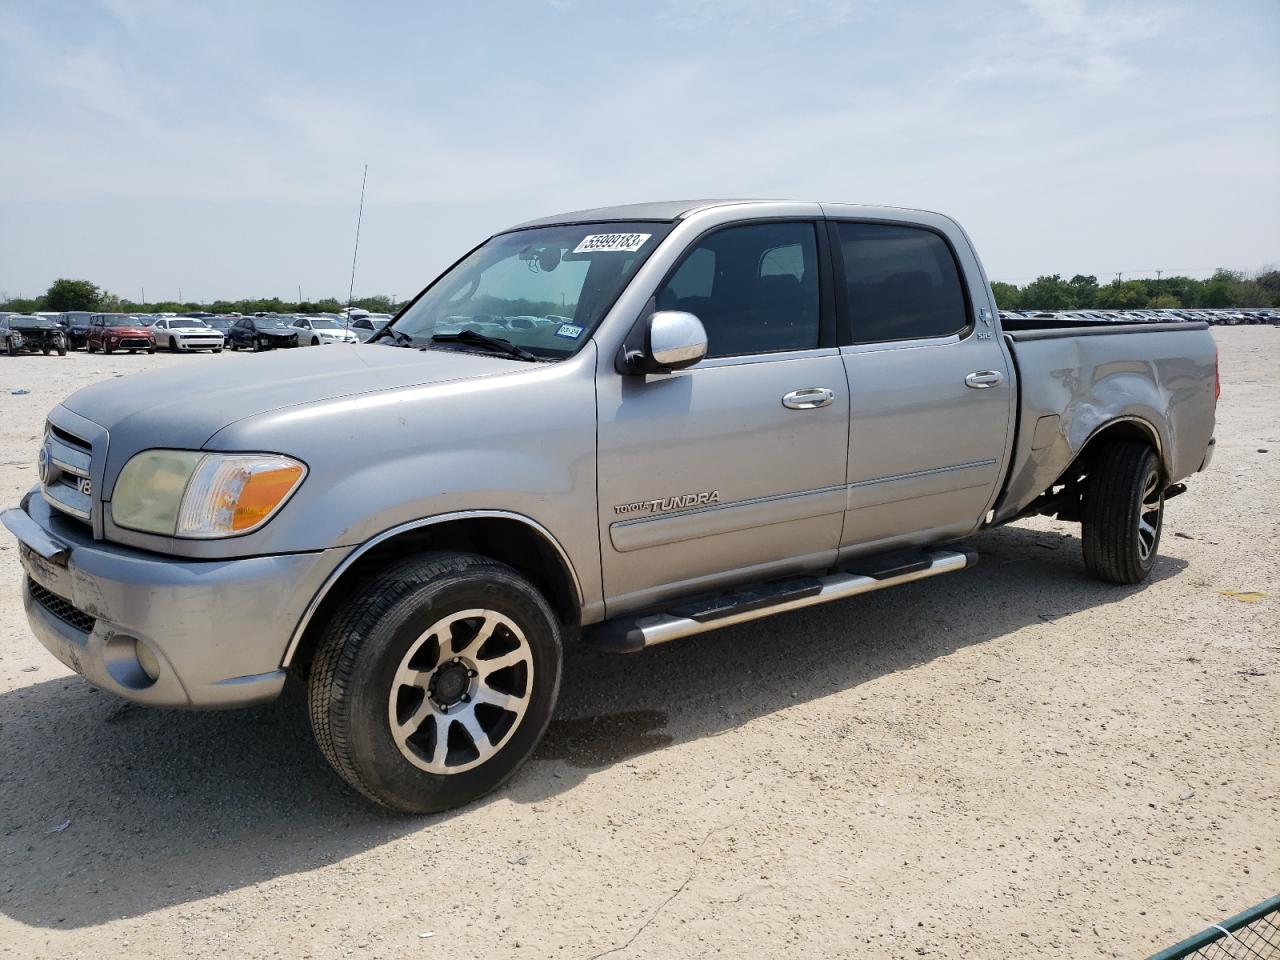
(612, 243)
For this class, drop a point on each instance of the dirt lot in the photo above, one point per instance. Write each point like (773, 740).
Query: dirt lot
(1012, 761)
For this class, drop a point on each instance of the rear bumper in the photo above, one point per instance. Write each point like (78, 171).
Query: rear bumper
(1208, 454)
(213, 633)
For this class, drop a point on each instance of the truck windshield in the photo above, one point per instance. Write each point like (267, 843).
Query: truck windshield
(542, 289)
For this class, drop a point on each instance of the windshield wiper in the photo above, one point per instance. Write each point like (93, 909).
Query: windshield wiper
(483, 340)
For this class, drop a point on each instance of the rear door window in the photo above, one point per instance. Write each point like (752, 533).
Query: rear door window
(901, 283)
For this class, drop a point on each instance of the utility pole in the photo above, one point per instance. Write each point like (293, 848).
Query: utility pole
(299, 296)
(144, 296)
(180, 295)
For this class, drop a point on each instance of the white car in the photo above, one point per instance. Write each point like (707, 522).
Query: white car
(187, 333)
(317, 331)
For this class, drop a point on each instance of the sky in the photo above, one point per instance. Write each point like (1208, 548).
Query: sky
(217, 148)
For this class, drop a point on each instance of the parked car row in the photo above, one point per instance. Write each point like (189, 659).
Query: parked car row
(1229, 316)
(188, 332)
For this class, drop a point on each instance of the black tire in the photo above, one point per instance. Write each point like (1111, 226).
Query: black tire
(106, 349)
(315, 341)
(217, 349)
(173, 345)
(362, 648)
(45, 350)
(1121, 538)
(10, 348)
(62, 351)
(149, 350)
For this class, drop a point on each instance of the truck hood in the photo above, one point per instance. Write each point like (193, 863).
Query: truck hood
(182, 408)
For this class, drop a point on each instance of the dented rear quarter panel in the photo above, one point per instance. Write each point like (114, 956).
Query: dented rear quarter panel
(1162, 378)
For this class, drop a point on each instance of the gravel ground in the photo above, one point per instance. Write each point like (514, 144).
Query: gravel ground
(1010, 761)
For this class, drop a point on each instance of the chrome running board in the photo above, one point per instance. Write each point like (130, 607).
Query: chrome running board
(685, 619)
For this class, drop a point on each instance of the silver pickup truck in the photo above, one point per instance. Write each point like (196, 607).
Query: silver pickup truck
(616, 427)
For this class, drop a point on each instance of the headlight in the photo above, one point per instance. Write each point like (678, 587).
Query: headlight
(182, 493)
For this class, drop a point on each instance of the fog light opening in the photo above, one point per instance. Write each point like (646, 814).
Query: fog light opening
(131, 662)
(147, 660)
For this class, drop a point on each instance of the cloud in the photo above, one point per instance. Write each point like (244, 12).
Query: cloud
(757, 16)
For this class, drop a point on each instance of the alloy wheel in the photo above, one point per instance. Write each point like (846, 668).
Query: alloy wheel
(1149, 515)
(461, 690)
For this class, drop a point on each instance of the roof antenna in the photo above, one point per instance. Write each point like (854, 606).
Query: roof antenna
(359, 217)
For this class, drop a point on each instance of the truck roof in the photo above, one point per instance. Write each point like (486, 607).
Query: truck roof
(664, 210)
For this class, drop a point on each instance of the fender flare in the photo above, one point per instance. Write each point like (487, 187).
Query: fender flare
(299, 631)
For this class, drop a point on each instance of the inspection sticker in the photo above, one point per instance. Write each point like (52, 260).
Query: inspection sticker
(612, 243)
(570, 331)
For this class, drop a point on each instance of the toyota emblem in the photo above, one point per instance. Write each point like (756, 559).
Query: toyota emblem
(42, 464)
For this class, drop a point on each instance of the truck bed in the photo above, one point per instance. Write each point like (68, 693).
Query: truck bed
(1077, 377)
(1031, 328)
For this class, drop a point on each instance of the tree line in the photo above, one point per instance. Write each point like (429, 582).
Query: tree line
(64, 295)
(1226, 288)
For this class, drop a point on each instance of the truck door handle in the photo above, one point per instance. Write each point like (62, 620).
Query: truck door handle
(809, 398)
(981, 379)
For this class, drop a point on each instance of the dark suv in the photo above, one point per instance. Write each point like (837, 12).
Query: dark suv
(261, 333)
(20, 332)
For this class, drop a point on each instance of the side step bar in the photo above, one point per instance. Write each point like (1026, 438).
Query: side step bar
(633, 634)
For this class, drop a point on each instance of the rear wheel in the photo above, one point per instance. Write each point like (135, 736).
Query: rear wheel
(1123, 512)
(436, 681)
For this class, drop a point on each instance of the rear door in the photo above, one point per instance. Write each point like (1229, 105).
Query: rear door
(732, 469)
(931, 388)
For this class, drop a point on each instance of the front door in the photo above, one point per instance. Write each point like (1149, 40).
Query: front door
(733, 469)
(930, 387)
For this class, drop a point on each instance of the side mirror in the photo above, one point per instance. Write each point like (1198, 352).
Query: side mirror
(672, 340)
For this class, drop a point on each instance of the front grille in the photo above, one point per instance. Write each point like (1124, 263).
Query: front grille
(135, 343)
(66, 462)
(64, 610)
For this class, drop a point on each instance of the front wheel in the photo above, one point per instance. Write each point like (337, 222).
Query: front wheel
(173, 345)
(1123, 512)
(436, 681)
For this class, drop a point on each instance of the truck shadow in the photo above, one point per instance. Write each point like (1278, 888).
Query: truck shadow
(114, 811)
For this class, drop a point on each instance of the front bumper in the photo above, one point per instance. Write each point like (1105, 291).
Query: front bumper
(215, 631)
(198, 343)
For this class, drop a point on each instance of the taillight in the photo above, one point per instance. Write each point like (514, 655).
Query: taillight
(1217, 379)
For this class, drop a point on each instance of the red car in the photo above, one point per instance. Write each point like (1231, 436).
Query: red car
(109, 332)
